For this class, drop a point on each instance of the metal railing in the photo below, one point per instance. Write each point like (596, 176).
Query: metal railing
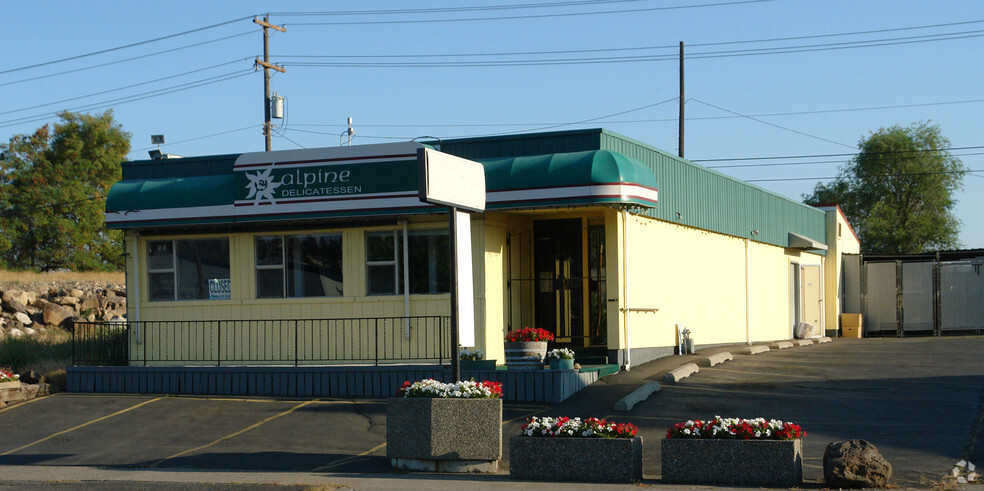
(373, 340)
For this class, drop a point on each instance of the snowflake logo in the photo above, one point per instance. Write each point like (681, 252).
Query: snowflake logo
(261, 186)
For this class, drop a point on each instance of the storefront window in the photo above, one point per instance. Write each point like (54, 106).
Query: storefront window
(299, 266)
(188, 269)
(428, 257)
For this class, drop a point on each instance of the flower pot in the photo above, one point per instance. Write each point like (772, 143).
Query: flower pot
(476, 364)
(444, 434)
(575, 459)
(767, 463)
(525, 355)
(561, 364)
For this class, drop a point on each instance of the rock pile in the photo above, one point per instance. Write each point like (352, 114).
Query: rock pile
(29, 307)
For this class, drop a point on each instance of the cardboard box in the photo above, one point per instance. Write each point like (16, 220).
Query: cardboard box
(851, 326)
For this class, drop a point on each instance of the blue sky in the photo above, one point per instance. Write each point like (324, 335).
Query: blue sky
(777, 78)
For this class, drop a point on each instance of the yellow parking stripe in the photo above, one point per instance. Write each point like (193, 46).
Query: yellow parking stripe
(348, 459)
(24, 403)
(117, 413)
(240, 432)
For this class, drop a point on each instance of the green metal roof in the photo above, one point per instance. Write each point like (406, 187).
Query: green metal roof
(690, 194)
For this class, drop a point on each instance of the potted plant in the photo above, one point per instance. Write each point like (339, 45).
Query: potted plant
(734, 452)
(471, 359)
(526, 347)
(561, 359)
(571, 449)
(445, 427)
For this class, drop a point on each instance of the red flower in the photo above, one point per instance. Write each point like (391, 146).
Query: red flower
(529, 334)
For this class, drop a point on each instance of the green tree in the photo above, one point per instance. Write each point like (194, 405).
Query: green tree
(897, 191)
(52, 201)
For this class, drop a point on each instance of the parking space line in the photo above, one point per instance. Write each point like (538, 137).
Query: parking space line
(24, 403)
(231, 435)
(117, 413)
(346, 460)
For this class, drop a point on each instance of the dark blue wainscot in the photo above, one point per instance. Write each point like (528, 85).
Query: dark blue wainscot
(316, 381)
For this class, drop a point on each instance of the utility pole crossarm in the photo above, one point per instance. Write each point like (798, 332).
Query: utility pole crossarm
(270, 65)
(267, 24)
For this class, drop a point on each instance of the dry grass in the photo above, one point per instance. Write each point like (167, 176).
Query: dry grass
(68, 276)
(45, 352)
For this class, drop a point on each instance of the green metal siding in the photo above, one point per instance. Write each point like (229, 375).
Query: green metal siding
(710, 200)
(704, 198)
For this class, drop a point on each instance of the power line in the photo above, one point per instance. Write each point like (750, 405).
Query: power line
(976, 147)
(117, 48)
(432, 10)
(123, 88)
(772, 124)
(517, 17)
(124, 60)
(970, 171)
(132, 98)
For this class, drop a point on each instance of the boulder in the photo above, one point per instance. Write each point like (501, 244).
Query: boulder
(15, 306)
(855, 464)
(15, 333)
(75, 292)
(90, 303)
(55, 314)
(66, 300)
(25, 298)
(23, 319)
(28, 331)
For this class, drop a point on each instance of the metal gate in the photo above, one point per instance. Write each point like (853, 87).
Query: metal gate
(925, 294)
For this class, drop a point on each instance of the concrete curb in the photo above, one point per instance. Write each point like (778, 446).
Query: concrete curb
(823, 340)
(715, 359)
(756, 349)
(781, 345)
(804, 342)
(681, 373)
(637, 396)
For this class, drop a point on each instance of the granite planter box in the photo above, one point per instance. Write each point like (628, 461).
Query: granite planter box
(575, 459)
(769, 463)
(444, 434)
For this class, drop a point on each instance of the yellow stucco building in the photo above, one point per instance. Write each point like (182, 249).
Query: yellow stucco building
(328, 256)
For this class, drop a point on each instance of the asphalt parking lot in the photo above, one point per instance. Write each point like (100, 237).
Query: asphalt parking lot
(920, 400)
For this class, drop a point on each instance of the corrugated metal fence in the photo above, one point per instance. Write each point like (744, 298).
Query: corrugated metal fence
(924, 294)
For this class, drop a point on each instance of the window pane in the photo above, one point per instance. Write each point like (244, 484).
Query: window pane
(429, 262)
(379, 246)
(381, 280)
(159, 255)
(161, 286)
(199, 261)
(270, 283)
(269, 251)
(314, 266)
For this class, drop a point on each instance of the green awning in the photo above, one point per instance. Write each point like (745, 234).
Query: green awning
(181, 192)
(589, 177)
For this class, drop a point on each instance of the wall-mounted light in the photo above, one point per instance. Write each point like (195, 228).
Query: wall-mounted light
(755, 233)
(679, 216)
(155, 154)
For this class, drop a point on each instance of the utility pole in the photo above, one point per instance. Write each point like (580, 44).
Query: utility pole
(682, 100)
(265, 63)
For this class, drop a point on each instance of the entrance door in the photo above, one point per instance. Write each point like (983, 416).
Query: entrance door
(811, 297)
(559, 279)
